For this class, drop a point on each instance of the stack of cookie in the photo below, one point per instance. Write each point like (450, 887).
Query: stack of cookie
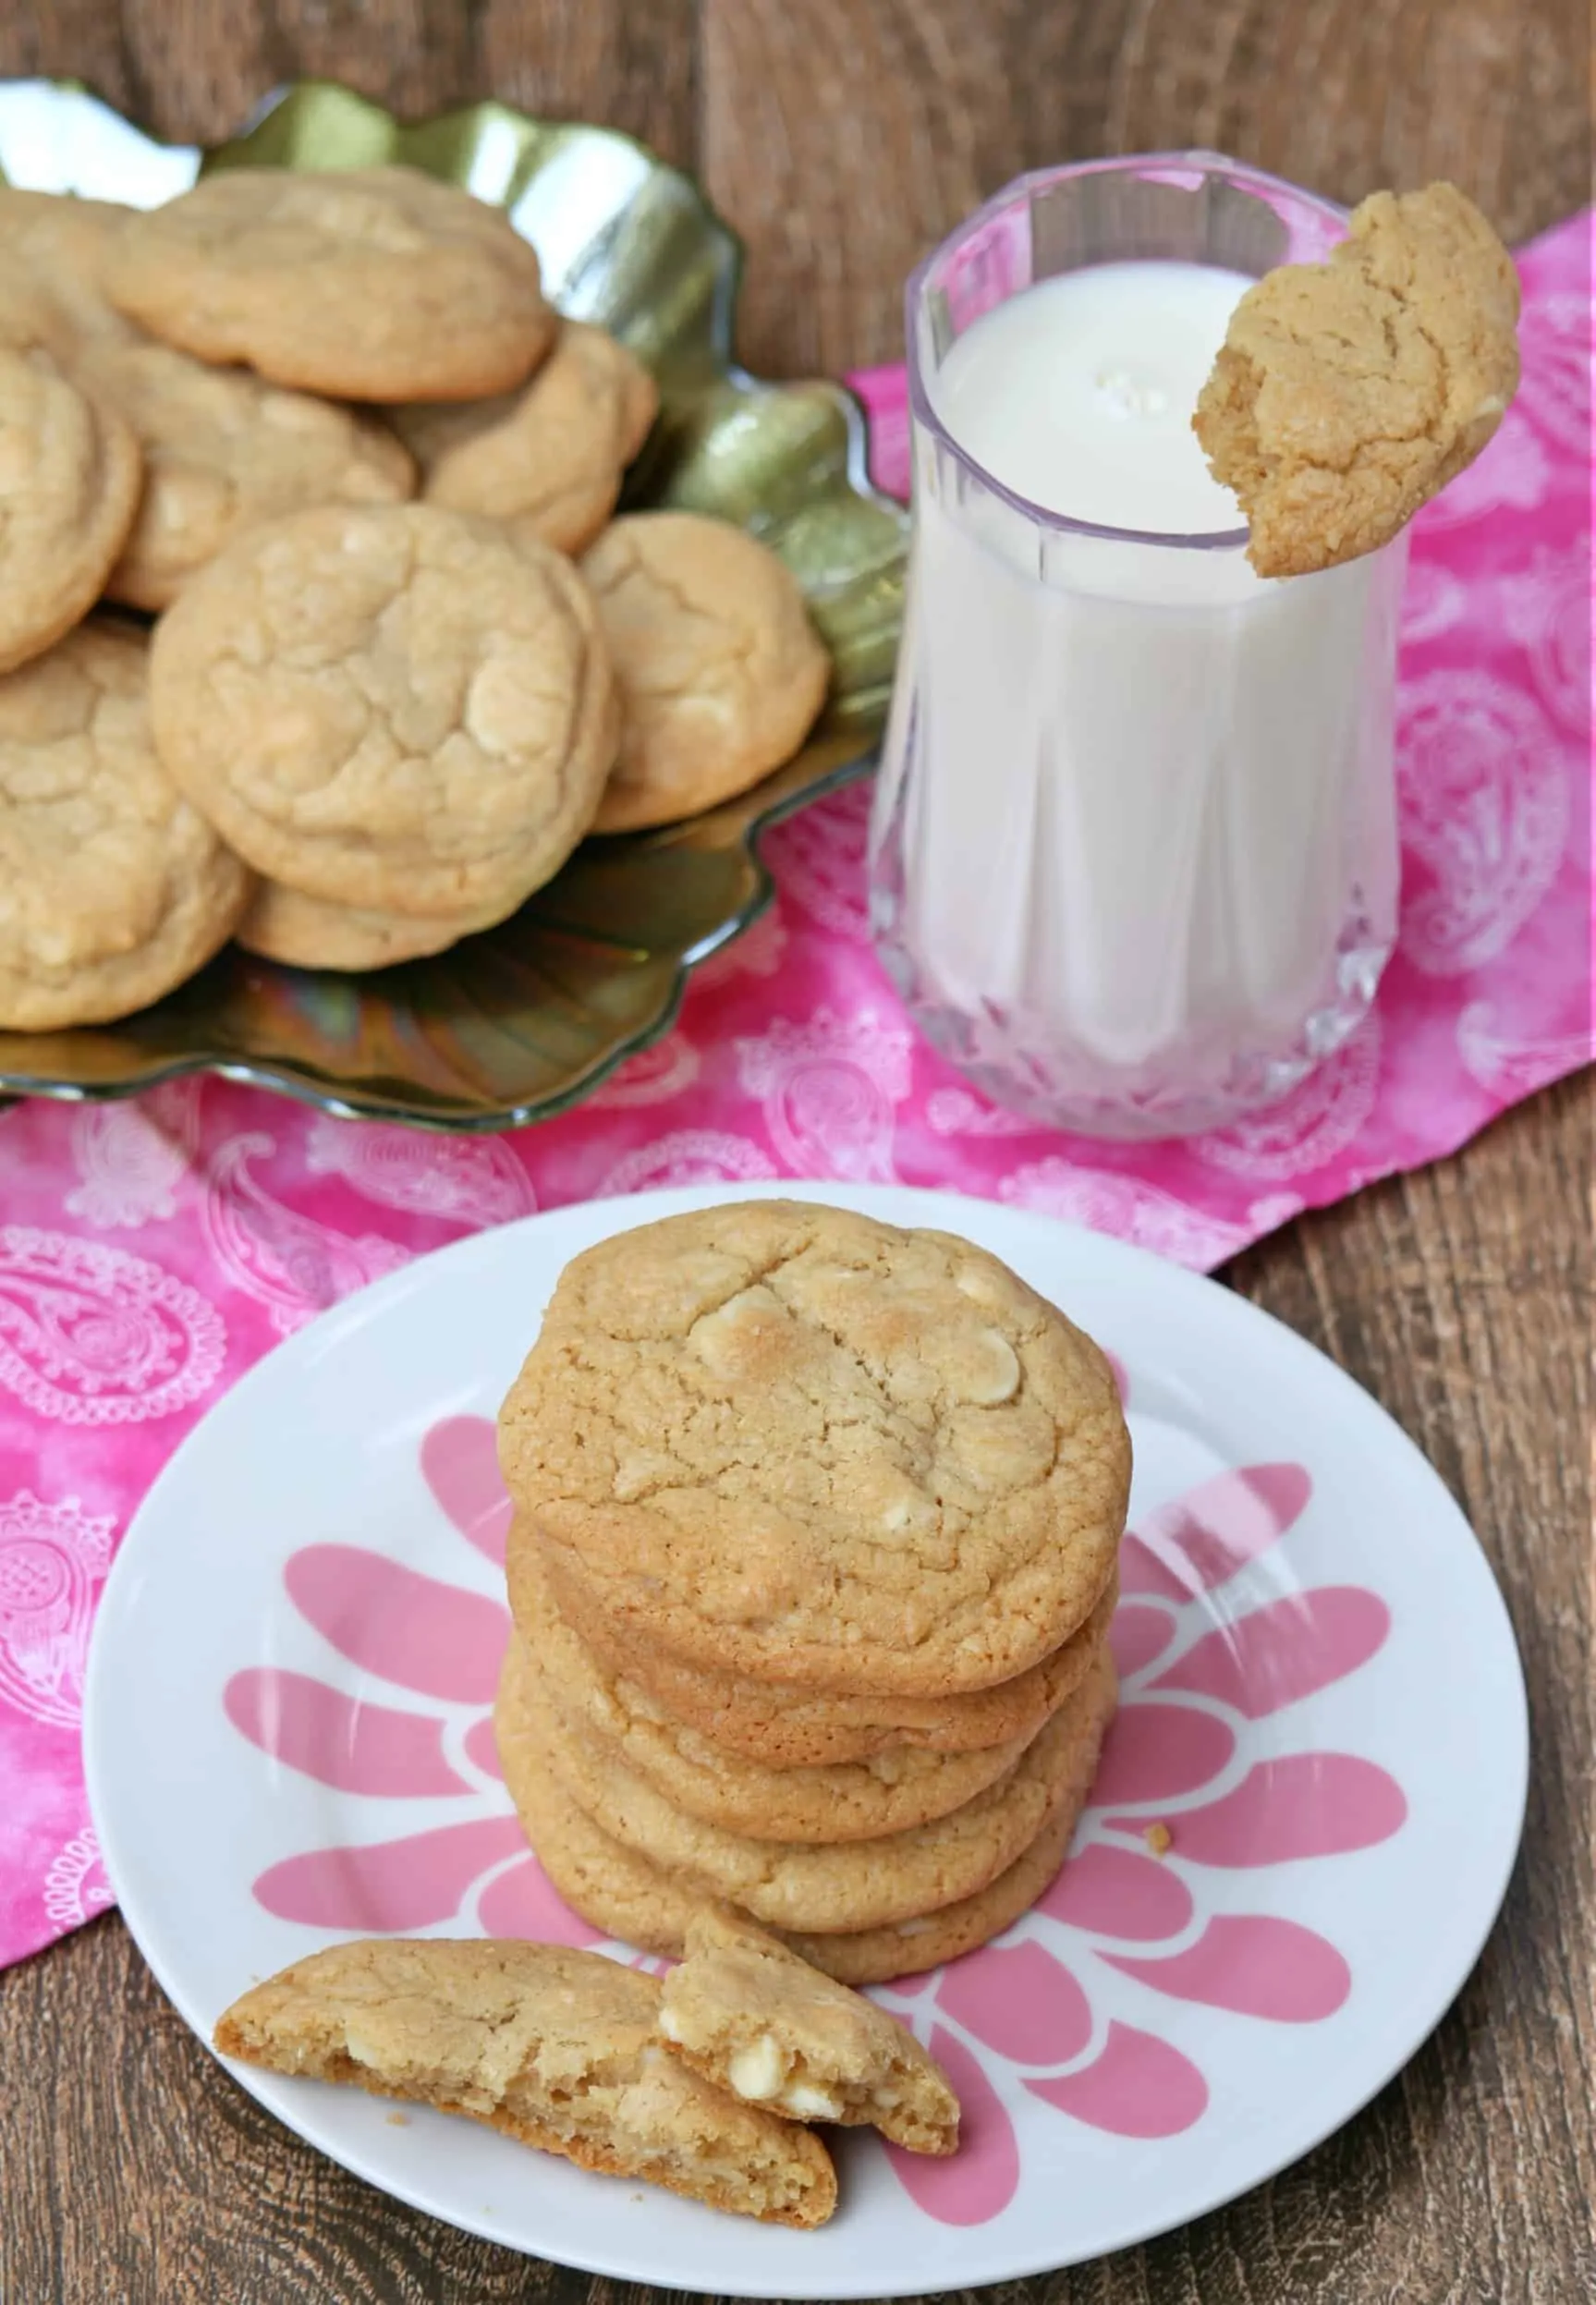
(812, 1572)
(365, 725)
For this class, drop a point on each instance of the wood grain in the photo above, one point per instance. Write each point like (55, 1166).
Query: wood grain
(842, 136)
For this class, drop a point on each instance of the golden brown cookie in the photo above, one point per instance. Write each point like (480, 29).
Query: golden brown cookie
(784, 1727)
(555, 2048)
(69, 478)
(622, 1893)
(112, 888)
(795, 1886)
(851, 1801)
(399, 709)
(548, 459)
(62, 243)
(721, 672)
(1349, 393)
(749, 2015)
(223, 451)
(306, 933)
(791, 1442)
(368, 283)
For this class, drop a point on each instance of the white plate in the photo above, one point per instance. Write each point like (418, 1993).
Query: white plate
(1333, 1729)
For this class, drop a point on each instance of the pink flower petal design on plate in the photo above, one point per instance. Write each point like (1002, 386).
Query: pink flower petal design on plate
(1307, 1804)
(388, 1885)
(435, 1638)
(1135, 2086)
(1121, 1375)
(1138, 1635)
(483, 1748)
(460, 1465)
(906, 1986)
(1253, 1963)
(325, 1735)
(979, 2181)
(1159, 1753)
(1200, 1538)
(1284, 1651)
(1119, 1892)
(522, 1903)
(1020, 2001)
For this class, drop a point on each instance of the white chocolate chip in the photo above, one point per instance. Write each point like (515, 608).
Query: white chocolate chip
(992, 1373)
(984, 1286)
(900, 1503)
(670, 2024)
(721, 1339)
(758, 2071)
(809, 2104)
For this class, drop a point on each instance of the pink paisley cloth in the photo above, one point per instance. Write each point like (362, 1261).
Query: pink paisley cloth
(150, 1252)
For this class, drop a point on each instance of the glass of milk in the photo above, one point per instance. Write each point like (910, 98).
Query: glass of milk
(1133, 855)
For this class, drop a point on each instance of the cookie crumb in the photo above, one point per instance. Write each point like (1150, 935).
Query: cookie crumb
(398, 2121)
(1159, 1839)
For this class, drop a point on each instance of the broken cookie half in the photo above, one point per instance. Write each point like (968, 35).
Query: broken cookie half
(1348, 394)
(754, 2018)
(556, 2048)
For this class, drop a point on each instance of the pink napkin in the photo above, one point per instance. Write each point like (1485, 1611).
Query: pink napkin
(152, 1251)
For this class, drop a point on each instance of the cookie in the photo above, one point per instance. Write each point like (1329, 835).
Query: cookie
(69, 479)
(398, 709)
(793, 1885)
(746, 2014)
(223, 451)
(62, 243)
(367, 283)
(555, 2048)
(853, 1801)
(721, 672)
(306, 932)
(794, 1442)
(113, 887)
(621, 1892)
(1348, 394)
(548, 459)
(783, 1727)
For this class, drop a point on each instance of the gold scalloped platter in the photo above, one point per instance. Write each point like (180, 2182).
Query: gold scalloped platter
(518, 1023)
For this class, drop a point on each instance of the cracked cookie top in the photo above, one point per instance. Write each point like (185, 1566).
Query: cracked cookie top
(794, 1442)
(222, 449)
(69, 481)
(1348, 394)
(113, 887)
(368, 283)
(548, 459)
(721, 672)
(395, 708)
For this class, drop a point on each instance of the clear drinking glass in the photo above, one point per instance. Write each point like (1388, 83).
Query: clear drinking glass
(1134, 854)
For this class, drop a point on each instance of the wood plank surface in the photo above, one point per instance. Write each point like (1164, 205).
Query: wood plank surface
(842, 137)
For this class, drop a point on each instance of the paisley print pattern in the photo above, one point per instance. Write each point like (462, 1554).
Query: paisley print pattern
(53, 1559)
(91, 1336)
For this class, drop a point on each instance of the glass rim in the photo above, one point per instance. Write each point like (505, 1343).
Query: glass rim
(1027, 184)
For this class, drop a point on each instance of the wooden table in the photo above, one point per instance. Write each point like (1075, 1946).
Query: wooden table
(842, 138)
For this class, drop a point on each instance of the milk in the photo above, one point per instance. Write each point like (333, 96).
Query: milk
(1133, 837)
(1078, 393)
